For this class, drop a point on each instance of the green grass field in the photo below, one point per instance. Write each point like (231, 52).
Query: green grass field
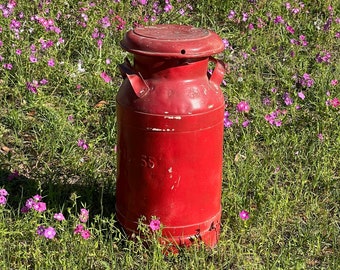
(58, 82)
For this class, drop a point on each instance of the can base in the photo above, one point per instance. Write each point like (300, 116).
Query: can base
(174, 238)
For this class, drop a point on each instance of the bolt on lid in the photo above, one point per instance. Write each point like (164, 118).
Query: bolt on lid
(171, 40)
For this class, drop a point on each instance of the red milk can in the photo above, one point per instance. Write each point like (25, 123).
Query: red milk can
(170, 133)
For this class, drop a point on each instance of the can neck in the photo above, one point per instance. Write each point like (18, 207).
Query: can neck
(171, 68)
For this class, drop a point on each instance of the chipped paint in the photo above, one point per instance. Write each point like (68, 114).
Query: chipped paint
(173, 117)
(170, 172)
(161, 129)
(176, 183)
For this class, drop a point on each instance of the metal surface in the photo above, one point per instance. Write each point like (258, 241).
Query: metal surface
(170, 134)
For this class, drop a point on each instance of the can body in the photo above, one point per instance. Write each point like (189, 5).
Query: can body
(170, 150)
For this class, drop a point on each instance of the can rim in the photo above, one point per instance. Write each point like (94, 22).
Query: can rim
(171, 40)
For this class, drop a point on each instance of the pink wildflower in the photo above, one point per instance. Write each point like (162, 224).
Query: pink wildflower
(39, 206)
(37, 197)
(51, 62)
(3, 192)
(49, 233)
(33, 59)
(85, 234)
(155, 224)
(105, 77)
(59, 216)
(232, 14)
(244, 215)
(78, 229)
(8, 66)
(83, 144)
(335, 102)
(245, 16)
(290, 29)
(301, 95)
(84, 215)
(32, 87)
(245, 123)
(29, 203)
(334, 82)
(3, 200)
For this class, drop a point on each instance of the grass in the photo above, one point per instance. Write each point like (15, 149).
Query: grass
(285, 174)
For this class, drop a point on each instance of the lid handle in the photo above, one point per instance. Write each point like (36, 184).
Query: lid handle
(219, 71)
(136, 80)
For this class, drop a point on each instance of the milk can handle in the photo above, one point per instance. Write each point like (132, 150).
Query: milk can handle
(136, 80)
(219, 71)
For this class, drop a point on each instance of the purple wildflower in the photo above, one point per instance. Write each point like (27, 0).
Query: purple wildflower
(279, 19)
(327, 25)
(168, 7)
(226, 43)
(243, 106)
(232, 14)
(43, 81)
(323, 56)
(227, 122)
(105, 22)
(266, 101)
(273, 117)
(245, 16)
(29, 203)
(40, 230)
(287, 99)
(83, 144)
(306, 80)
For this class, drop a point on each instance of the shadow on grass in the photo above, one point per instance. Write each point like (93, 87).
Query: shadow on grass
(98, 198)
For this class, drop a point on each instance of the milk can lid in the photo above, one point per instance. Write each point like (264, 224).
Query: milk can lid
(171, 40)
